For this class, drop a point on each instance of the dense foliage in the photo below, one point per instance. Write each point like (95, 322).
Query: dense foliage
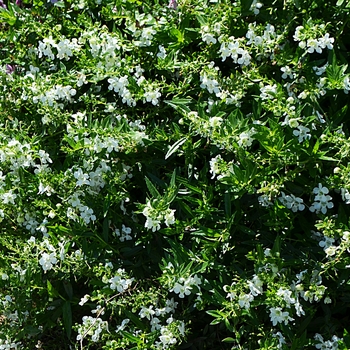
(174, 175)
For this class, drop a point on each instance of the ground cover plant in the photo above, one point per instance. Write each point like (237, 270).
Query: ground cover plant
(174, 175)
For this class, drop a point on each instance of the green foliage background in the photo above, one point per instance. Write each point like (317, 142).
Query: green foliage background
(231, 225)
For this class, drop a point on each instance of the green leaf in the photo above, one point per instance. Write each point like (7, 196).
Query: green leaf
(131, 337)
(228, 340)
(106, 205)
(215, 313)
(175, 147)
(328, 158)
(135, 320)
(246, 4)
(153, 191)
(67, 318)
(227, 199)
(51, 290)
(8, 16)
(68, 288)
(105, 229)
(179, 104)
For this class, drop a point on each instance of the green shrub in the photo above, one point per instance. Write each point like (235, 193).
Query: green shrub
(174, 175)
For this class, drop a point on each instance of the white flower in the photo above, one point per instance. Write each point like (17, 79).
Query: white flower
(320, 190)
(330, 251)
(182, 290)
(211, 85)
(327, 300)
(245, 138)
(326, 41)
(346, 83)
(313, 45)
(169, 217)
(326, 242)
(299, 309)
(120, 284)
(147, 312)
(320, 70)
(268, 92)
(326, 345)
(84, 299)
(345, 195)
(87, 214)
(215, 122)
(167, 337)
(125, 235)
(281, 339)
(264, 200)
(123, 325)
(278, 316)
(287, 72)
(256, 6)
(162, 53)
(153, 224)
(152, 96)
(292, 202)
(322, 200)
(155, 324)
(215, 165)
(47, 261)
(244, 300)
(255, 286)
(302, 133)
(208, 37)
(286, 295)
(8, 197)
(82, 179)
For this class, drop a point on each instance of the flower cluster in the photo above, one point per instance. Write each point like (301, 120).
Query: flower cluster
(154, 216)
(291, 202)
(322, 200)
(92, 327)
(156, 162)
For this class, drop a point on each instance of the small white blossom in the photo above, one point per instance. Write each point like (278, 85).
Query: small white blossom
(279, 316)
(47, 261)
(244, 300)
(152, 96)
(292, 202)
(84, 299)
(302, 133)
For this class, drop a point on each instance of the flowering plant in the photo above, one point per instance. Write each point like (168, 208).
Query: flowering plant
(174, 174)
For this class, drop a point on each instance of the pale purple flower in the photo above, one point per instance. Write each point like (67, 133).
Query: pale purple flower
(10, 69)
(172, 4)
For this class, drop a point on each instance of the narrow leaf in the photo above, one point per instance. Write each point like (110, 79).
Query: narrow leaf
(67, 318)
(153, 191)
(175, 146)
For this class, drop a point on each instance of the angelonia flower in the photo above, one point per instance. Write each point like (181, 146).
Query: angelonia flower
(10, 69)
(256, 6)
(155, 217)
(91, 327)
(172, 4)
(302, 133)
(277, 315)
(184, 286)
(322, 200)
(326, 345)
(292, 202)
(47, 261)
(246, 139)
